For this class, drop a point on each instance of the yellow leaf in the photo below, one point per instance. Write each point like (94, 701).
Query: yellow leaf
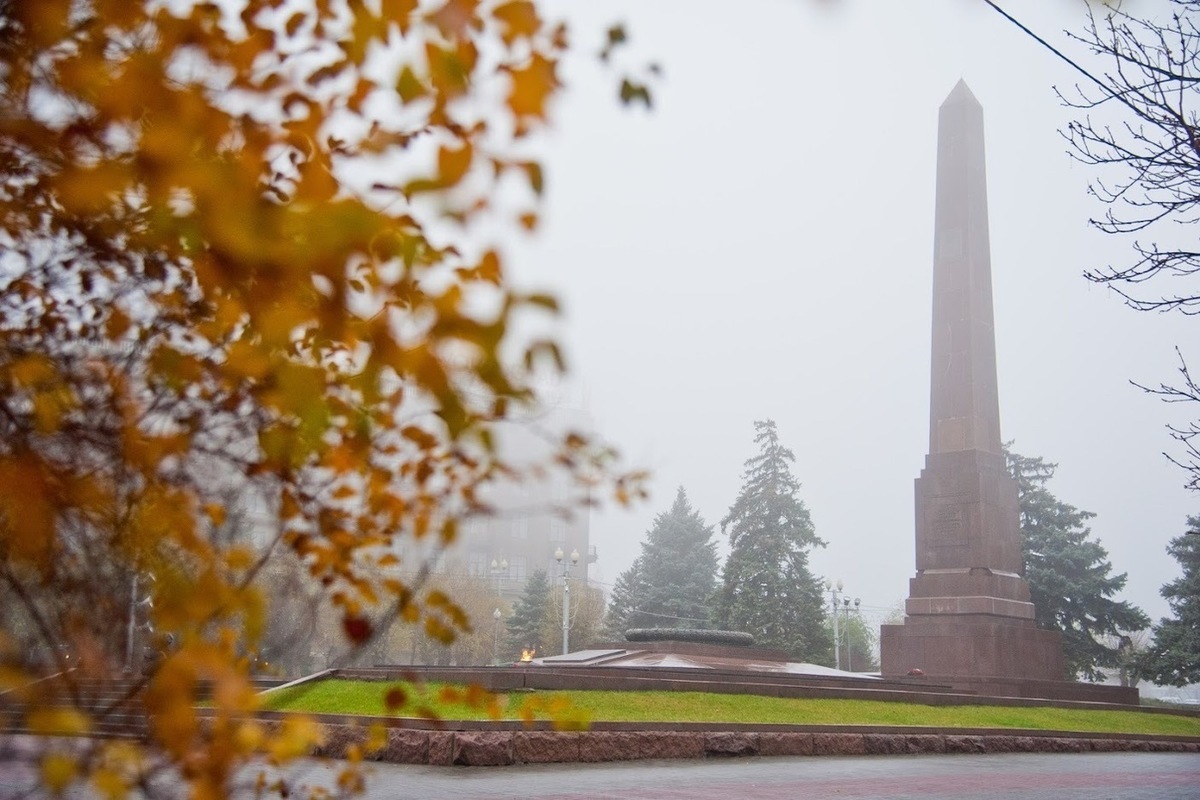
(532, 85)
(408, 85)
(32, 370)
(58, 770)
(116, 324)
(239, 558)
(453, 164)
(377, 738)
(110, 784)
(519, 19)
(215, 513)
(297, 735)
(249, 736)
(247, 361)
(45, 22)
(489, 268)
(59, 720)
(420, 437)
(455, 17)
(27, 502)
(48, 409)
(449, 69)
(536, 179)
(399, 11)
(88, 191)
(12, 678)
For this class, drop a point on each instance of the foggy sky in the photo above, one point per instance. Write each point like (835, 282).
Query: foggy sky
(760, 246)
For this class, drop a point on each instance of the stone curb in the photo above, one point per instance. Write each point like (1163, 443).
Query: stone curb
(483, 748)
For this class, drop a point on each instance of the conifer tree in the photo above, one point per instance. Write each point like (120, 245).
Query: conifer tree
(1070, 576)
(768, 590)
(671, 583)
(626, 598)
(1174, 655)
(529, 615)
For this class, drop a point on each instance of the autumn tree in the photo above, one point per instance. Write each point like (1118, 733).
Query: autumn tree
(1070, 576)
(671, 584)
(768, 589)
(404, 644)
(1173, 657)
(218, 272)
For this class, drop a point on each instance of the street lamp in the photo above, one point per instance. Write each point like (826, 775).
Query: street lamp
(566, 574)
(496, 635)
(846, 607)
(834, 588)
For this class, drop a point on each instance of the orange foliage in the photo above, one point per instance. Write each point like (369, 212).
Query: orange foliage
(209, 287)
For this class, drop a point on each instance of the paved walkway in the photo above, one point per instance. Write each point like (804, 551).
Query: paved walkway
(1079, 776)
(1018, 776)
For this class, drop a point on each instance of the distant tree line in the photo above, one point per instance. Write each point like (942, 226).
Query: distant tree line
(766, 588)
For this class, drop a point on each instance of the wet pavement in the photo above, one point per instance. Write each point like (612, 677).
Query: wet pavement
(1018, 776)
(1074, 776)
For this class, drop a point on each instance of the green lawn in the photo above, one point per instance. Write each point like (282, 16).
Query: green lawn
(367, 697)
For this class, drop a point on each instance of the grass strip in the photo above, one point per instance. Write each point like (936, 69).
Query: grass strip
(367, 698)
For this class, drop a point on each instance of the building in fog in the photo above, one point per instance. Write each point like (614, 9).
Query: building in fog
(533, 518)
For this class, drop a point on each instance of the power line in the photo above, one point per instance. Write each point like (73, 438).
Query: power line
(1103, 86)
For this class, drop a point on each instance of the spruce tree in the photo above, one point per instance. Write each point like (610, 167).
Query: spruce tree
(768, 590)
(1069, 574)
(529, 615)
(671, 583)
(1174, 655)
(626, 597)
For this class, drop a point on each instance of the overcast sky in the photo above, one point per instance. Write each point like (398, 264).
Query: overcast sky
(760, 246)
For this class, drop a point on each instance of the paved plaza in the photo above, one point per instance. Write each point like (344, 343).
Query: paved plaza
(1086, 776)
(1013, 776)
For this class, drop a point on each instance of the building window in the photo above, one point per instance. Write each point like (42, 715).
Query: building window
(516, 568)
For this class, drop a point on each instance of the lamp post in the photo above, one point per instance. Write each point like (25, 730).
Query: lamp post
(846, 607)
(834, 588)
(566, 574)
(496, 636)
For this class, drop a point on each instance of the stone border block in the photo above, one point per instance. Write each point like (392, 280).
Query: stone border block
(785, 744)
(924, 743)
(839, 744)
(669, 745)
(967, 744)
(545, 747)
(884, 744)
(483, 748)
(338, 739)
(441, 748)
(404, 747)
(605, 746)
(730, 744)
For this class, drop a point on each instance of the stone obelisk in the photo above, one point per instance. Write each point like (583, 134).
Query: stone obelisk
(968, 619)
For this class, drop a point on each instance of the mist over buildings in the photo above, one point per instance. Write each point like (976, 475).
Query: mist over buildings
(760, 245)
